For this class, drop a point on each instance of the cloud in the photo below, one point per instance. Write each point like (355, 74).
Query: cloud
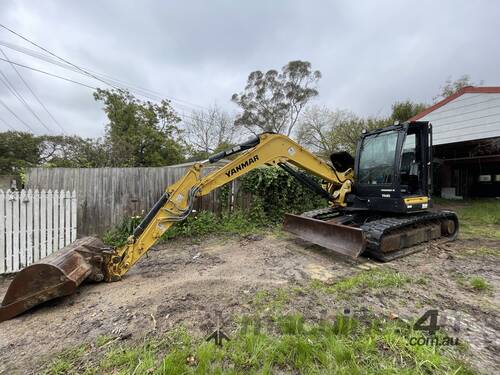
(371, 53)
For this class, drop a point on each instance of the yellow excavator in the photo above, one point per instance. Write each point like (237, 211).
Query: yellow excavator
(379, 206)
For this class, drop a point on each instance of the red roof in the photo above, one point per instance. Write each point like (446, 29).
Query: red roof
(465, 90)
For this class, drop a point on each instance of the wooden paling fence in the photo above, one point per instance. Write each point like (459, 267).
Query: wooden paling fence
(34, 224)
(106, 196)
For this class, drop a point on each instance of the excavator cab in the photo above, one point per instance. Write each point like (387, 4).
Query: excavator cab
(393, 168)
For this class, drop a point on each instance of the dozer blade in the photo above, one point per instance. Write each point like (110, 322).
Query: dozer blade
(340, 238)
(54, 276)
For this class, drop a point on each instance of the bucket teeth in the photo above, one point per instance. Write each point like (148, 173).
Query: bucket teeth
(54, 276)
(340, 238)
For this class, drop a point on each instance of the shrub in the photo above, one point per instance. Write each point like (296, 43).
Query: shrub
(278, 193)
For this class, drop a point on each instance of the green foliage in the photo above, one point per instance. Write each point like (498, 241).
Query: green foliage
(102, 340)
(479, 283)
(325, 131)
(118, 235)
(67, 361)
(74, 152)
(197, 225)
(378, 278)
(19, 150)
(404, 110)
(480, 218)
(272, 101)
(278, 193)
(290, 344)
(450, 87)
(140, 133)
(205, 223)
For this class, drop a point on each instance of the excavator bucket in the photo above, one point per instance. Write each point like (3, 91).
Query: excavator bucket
(340, 238)
(54, 276)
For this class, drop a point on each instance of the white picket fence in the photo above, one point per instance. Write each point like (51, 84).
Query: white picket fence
(34, 224)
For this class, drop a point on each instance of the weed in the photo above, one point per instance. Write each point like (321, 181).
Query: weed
(476, 283)
(67, 361)
(102, 340)
(372, 279)
(118, 235)
(479, 283)
(229, 223)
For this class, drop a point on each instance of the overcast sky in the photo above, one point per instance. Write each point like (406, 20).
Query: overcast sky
(371, 53)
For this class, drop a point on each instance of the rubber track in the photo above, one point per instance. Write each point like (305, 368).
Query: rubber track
(375, 230)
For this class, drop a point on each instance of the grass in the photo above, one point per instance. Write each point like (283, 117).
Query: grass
(342, 346)
(379, 278)
(67, 361)
(480, 218)
(481, 251)
(475, 283)
(103, 340)
(479, 283)
(283, 343)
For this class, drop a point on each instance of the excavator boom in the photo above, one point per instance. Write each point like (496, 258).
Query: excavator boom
(88, 259)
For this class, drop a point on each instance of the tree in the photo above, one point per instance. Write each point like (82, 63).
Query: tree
(73, 152)
(347, 133)
(450, 87)
(140, 133)
(209, 131)
(325, 131)
(18, 150)
(273, 101)
(317, 129)
(404, 110)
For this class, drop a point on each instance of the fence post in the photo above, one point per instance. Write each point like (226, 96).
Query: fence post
(15, 230)
(29, 227)
(67, 218)
(2, 232)
(55, 221)
(73, 215)
(36, 225)
(50, 232)
(8, 231)
(43, 223)
(61, 220)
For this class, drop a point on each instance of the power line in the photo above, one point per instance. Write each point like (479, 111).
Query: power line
(32, 92)
(19, 97)
(56, 56)
(49, 74)
(145, 92)
(88, 73)
(16, 116)
(83, 84)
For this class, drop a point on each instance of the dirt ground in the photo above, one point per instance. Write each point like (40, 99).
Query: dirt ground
(186, 282)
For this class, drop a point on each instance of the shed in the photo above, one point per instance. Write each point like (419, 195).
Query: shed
(466, 139)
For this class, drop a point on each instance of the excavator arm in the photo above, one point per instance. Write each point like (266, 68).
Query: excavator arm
(176, 203)
(88, 259)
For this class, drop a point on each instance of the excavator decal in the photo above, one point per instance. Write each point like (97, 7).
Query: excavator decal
(242, 166)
